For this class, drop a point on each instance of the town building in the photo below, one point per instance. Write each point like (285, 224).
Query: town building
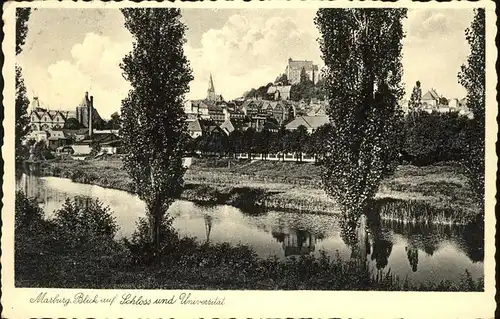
(311, 123)
(430, 100)
(294, 68)
(42, 119)
(279, 92)
(194, 129)
(227, 126)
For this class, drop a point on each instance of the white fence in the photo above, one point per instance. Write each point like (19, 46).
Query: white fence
(287, 157)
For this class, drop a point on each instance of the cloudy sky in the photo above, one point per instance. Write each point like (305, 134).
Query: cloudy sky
(70, 51)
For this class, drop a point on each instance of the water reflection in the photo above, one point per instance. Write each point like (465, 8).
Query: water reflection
(296, 242)
(420, 252)
(208, 226)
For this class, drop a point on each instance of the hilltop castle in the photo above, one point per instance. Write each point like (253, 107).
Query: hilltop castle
(294, 68)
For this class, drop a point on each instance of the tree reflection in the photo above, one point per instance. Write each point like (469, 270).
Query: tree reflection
(473, 241)
(382, 243)
(354, 234)
(382, 249)
(412, 254)
(208, 226)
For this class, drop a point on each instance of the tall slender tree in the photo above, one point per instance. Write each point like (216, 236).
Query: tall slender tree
(153, 118)
(472, 77)
(416, 98)
(22, 101)
(361, 49)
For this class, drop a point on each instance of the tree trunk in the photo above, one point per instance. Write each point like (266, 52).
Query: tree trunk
(155, 216)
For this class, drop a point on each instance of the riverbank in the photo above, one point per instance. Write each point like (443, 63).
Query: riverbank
(437, 194)
(77, 248)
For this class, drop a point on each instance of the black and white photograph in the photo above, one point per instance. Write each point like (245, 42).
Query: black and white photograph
(257, 149)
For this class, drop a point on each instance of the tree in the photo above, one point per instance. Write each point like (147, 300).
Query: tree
(72, 124)
(305, 89)
(415, 102)
(115, 121)
(361, 49)
(247, 141)
(282, 80)
(472, 77)
(22, 102)
(153, 116)
(298, 140)
(303, 76)
(22, 17)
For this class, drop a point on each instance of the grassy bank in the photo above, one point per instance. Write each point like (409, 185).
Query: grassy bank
(77, 249)
(412, 194)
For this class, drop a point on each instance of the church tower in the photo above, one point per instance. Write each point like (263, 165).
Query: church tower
(211, 90)
(211, 95)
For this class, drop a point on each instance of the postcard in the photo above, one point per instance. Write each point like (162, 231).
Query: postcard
(249, 159)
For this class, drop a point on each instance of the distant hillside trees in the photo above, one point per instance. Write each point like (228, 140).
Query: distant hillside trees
(305, 90)
(154, 123)
(361, 49)
(282, 80)
(261, 92)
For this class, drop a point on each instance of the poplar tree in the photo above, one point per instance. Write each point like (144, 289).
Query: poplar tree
(472, 77)
(22, 101)
(153, 120)
(361, 49)
(415, 99)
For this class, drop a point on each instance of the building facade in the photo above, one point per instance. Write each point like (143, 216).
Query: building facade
(294, 68)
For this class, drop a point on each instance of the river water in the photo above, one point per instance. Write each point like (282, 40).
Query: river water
(421, 253)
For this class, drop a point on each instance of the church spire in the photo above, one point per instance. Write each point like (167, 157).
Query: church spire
(211, 88)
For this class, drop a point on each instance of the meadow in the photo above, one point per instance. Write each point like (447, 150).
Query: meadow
(435, 193)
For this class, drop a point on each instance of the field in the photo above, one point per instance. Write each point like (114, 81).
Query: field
(428, 194)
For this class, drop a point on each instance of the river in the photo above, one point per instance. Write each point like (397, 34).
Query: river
(421, 253)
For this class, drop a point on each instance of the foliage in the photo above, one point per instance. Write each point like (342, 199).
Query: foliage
(75, 249)
(435, 137)
(22, 17)
(27, 213)
(39, 150)
(85, 219)
(306, 90)
(72, 124)
(415, 102)
(261, 92)
(114, 123)
(22, 118)
(153, 117)
(361, 49)
(140, 247)
(472, 77)
(282, 80)
(22, 102)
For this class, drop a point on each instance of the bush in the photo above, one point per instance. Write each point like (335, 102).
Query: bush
(435, 137)
(28, 215)
(75, 249)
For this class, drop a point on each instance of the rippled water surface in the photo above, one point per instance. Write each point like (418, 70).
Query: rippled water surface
(421, 253)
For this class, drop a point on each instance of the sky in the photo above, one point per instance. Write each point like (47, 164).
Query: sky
(71, 51)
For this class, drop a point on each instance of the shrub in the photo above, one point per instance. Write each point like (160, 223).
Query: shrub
(75, 249)
(435, 137)
(27, 213)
